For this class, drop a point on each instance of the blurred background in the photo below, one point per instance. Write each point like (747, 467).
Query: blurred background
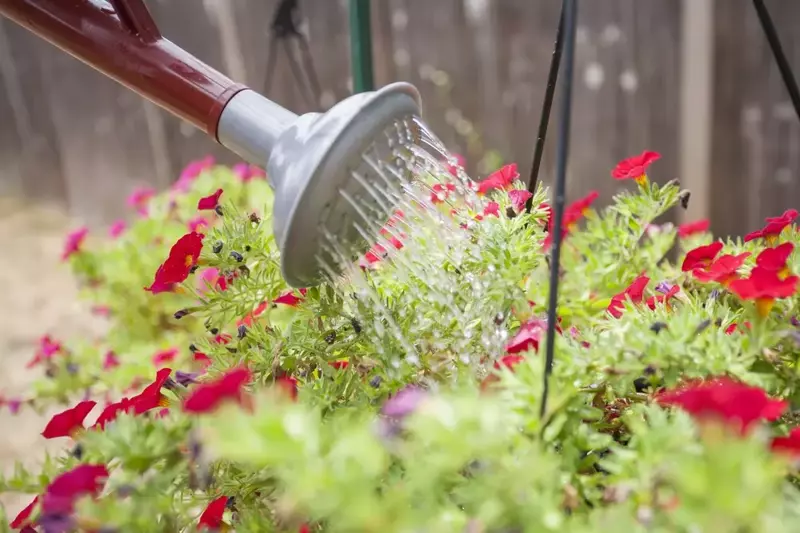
(691, 79)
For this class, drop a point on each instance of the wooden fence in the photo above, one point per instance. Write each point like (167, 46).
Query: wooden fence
(692, 79)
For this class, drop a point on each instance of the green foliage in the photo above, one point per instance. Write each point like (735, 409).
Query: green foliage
(474, 454)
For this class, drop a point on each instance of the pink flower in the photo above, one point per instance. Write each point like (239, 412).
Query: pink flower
(73, 243)
(519, 197)
(247, 172)
(139, 199)
(210, 202)
(196, 223)
(117, 228)
(48, 347)
(207, 278)
(191, 173)
(110, 360)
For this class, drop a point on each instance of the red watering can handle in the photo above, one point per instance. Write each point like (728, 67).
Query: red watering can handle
(120, 39)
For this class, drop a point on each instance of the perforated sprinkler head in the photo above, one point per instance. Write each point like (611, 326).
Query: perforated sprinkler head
(329, 170)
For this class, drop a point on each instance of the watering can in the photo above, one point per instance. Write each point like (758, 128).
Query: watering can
(310, 159)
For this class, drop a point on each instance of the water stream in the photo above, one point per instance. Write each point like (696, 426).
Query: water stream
(414, 302)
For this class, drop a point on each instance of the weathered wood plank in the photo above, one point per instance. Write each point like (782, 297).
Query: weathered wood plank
(101, 135)
(756, 147)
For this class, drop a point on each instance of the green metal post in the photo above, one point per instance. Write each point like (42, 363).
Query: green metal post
(361, 46)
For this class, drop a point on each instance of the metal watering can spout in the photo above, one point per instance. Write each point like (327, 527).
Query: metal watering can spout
(310, 159)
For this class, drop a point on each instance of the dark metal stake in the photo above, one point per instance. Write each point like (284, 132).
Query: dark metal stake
(777, 52)
(552, 79)
(570, 18)
(361, 46)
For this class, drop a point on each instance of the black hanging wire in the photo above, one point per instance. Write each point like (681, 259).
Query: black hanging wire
(777, 51)
(284, 29)
(570, 19)
(550, 90)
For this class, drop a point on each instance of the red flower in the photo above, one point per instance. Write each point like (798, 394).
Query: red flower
(340, 364)
(61, 494)
(151, 396)
(572, 215)
(252, 315)
(305, 528)
(732, 402)
(212, 516)
(460, 162)
(23, 518)
(723, 270)
(67, 423)
(47, 349)
(528, 336)
(209, 395)
(111, 412)
(634, 292)
(288, 384)
(519, 197)
(74, 242)
(499, 179)
(140, 198)
(290, 298)
(440, 192)
(635, 168)
(117, 229)
(775, 259)
(210, 202)
(222, 338)
(203, 359)
(196, 223)
(691, 228)
(544, 206)
(701, 257)
(165, 356)
(775, 225)
(183, 256)
(788, 445)
(764, 287)
(663, 298)
(509, 361)
(110, 360)
(492, 208)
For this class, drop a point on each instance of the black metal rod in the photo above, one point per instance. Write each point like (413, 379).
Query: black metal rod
(777, 51)
(562, 157)
(544, 119)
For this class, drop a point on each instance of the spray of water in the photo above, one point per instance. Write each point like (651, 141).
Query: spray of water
(411, 201)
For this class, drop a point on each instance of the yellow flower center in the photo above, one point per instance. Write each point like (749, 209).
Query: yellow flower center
(764, 306)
